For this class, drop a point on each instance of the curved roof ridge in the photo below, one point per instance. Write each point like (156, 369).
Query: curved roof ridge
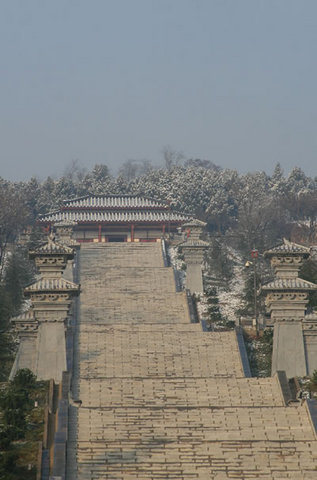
(115, 195)
(52, 247)
(289, 284)
(287, 248)
(51, 285)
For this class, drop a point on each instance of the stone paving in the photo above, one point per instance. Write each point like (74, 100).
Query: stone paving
(160, 398)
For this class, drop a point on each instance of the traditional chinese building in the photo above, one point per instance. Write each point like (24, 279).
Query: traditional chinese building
(116, 218)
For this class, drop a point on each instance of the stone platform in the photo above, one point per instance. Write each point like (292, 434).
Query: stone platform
(160, 398)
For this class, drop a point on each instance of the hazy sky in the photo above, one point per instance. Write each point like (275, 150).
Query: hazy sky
(104, 81)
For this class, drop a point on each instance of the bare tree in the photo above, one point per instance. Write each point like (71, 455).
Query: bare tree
(172, 157)
(135, 168)
(74, 171)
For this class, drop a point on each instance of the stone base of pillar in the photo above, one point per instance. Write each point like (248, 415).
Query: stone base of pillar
(310, 342)
(288, 349)
(194, 279)
(25, 356)
(51, 351)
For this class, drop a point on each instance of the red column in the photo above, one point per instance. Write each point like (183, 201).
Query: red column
(99, 233)
(163, 228)
(132, 233)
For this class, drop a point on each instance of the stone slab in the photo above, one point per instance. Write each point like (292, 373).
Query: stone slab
(288, 349)
(25, 356)
(51, 351)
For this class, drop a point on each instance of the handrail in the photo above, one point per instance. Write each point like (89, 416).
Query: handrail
(243, 353)
(191, 308)
(61, 434)
(166, 259)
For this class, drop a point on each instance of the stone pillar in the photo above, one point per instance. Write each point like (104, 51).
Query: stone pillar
(310, 341)
(286, 298)
(26, 327)
(193, 248)
(288, 349)
(287, 295)
(51, 297)
(64, 233)
(51, 300)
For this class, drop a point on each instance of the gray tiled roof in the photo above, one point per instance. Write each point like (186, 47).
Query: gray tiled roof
(114, 201)
(114, 209)
(52, 248)
(288, 248)
(112, 216)
(289, 284)
(51, 284)
(194, 222)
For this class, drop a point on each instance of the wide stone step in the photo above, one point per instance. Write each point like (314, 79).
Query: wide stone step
(127, 424)
(180, 392)
(122, 254)
(141, 281)
(121, 351)
(157, 458)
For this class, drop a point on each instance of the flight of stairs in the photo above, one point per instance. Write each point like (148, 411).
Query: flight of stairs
(160, 398)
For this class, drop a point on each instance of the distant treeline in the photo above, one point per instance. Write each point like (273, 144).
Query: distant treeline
(242, 212)
(257, 208)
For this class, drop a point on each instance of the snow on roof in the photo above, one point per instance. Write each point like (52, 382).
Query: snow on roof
(287, 248)
(52, 248)
(113, 209)
(194, 222)
(52, 284)
(289, 284)
(110, 201)
(113, 216)
(193, 243)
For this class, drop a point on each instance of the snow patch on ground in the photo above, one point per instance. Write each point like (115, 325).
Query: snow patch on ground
(202, 306)
(230, 299)
(177, 263)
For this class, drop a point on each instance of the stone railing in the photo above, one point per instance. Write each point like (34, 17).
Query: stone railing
(54, 447)
(167, 263)
(192, 308)
(166, 259)
(312, 410)
(61, 433)
(243, 353)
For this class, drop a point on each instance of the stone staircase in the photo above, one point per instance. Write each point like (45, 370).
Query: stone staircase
(127, 282)
(160, 398)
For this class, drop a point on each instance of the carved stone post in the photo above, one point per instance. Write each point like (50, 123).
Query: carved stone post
(26, 327)
(286, 301)
(64, 233)
(51, 297)
(287, 296)
(193, 248)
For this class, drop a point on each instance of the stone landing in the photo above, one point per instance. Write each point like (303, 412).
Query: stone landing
(160, 398)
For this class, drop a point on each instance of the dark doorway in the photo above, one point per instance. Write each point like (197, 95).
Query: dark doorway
(117, 239)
